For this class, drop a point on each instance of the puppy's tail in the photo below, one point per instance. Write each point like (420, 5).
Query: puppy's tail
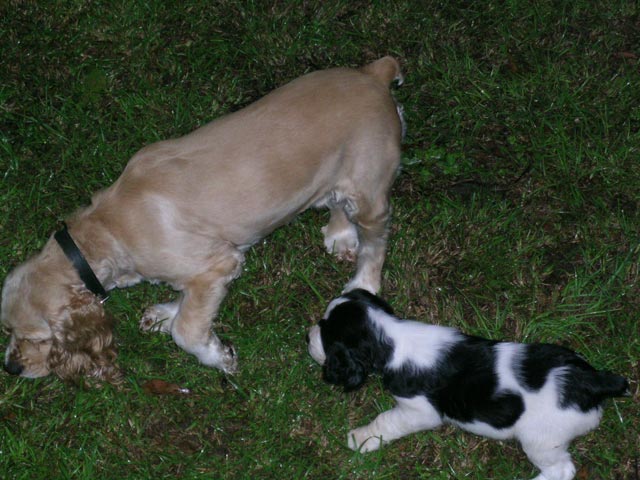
(386, 70)
(605, 384)
(593, 387)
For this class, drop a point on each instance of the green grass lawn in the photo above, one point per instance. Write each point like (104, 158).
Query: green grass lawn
(516, 215)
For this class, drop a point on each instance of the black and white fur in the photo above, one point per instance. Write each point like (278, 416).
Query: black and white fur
(543, 395)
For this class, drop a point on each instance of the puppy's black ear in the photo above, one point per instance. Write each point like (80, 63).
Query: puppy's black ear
(343, 367)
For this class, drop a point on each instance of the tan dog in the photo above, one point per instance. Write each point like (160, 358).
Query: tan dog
(184, 211)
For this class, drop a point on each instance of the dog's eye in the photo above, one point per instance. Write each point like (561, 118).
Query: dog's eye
(34, 342)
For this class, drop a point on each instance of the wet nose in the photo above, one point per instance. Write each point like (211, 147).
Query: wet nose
(14, 368)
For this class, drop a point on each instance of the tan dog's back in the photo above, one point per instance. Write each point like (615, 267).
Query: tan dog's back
(254, 162)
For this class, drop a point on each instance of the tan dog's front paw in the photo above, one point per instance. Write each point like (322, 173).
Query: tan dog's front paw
(158, 318)
(217, 355)
(361, 440)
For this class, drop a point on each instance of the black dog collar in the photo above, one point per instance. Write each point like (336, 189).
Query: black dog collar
(81, 265)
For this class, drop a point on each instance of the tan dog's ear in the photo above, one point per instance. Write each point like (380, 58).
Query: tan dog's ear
(83, 342)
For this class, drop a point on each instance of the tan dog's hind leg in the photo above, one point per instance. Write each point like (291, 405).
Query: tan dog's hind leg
(366, 204)
(372, 234)
(201, 298)
(341, 236)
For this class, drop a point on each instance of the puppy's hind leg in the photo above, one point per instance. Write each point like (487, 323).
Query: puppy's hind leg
(202, 295)
(410, 415)
(340, 235)
(554, 462)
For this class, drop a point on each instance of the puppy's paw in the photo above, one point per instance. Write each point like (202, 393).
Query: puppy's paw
(361, 440)
(158, 318)
(343, 244)
(560, 471)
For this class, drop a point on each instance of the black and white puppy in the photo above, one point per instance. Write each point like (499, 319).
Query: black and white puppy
(543, 395)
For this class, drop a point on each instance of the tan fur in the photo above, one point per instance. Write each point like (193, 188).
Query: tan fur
(185, 210)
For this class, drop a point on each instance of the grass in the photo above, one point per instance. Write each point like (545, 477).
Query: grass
(516, 216)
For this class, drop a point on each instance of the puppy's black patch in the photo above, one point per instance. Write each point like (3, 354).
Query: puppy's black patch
(540, 359)
(463, 385)
(582, 386)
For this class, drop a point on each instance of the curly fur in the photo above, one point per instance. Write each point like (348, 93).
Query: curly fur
(82, 344)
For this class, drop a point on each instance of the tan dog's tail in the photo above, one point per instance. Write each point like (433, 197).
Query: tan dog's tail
(386, 69)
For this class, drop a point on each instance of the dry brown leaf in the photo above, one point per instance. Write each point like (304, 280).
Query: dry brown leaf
(160, 387)
(583, 473)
